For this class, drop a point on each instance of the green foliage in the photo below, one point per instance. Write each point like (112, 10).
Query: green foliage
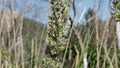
(90, 13)
(56, 42)
(31, 30)
(116, 10)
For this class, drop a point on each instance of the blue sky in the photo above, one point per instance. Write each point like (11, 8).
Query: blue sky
(38, 9)
(103, 12)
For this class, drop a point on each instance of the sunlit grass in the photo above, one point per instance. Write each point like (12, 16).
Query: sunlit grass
(23, 45)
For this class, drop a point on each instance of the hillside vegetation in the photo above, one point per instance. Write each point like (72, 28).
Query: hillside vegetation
(25, 43)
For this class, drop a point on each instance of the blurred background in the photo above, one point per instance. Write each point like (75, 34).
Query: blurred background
(24, 27)
(39, 9)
